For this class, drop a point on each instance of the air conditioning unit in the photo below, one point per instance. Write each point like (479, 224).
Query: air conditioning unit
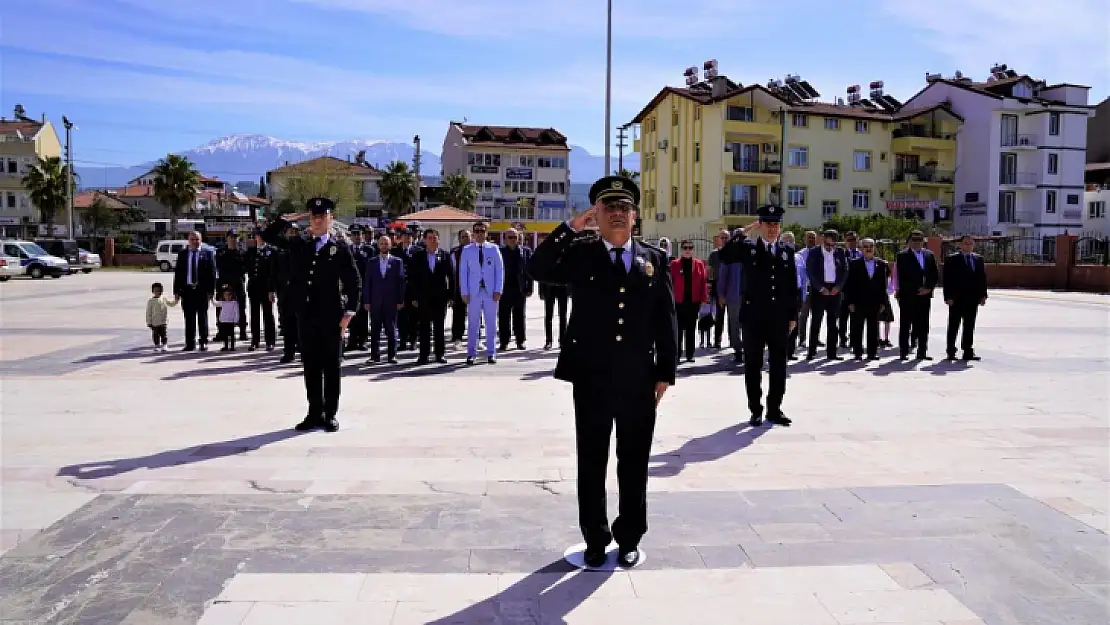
(663, 144)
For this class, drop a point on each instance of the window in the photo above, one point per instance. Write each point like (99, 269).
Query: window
(674, 196)
(674, 118)
(795, 196)
(1009, 130)
(831, 171)
(1096, 210)
(527, 161)
(1054, 124)
(971, 197)
(861, 199)
(1007, 168)
(674, 155)
(798, 156)
(1007, 207)
(1050, 202)
(697, 152)
(1073, 198)
(697, 113)
(551, 162)
(829, 208)
(863, 160)
(1053, 163)
(862, 126)
(697, 194)
(11, 200)
(740, 114)
(13, 166)
(799, 120)
(832, 123)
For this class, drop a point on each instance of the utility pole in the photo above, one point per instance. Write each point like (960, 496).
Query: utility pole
(416, 170)
(621, 145)
(608, 79)
(69, 179)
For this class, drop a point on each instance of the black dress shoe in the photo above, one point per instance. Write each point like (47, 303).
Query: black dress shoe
(330, 424)
(392, 360)
(904, 357)
(423, 360)
(950, 356)
(836, 358)
(779, 418)
(470, 360)
(627, 558)
(203, 347)
(287, 358)
(270, 347)
(924, 357)
(970, 356)
(521, 346)
(594, 557)
(491, 360)
(188, 348)
(311, 422)
(441, 360)
(756, 420)
(547, 345)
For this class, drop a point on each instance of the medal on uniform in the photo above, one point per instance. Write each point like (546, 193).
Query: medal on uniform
(332, 252)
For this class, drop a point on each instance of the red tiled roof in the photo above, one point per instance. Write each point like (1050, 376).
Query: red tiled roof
(258, 201)
(203, 178)
(513, 136)
(85, 199)
(138, 190)
(330, 160)
(442, 213)
(26, 128)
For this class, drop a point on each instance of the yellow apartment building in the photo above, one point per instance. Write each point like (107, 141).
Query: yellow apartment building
(23, 141)
(712, 153)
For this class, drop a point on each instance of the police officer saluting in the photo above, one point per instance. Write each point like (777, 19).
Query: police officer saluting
(619, 354)
(324, 291)
(769, 309)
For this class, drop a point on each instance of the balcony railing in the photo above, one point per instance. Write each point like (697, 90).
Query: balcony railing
(921, 132)
(1019, 141)
(924, 174)
(1020, 178)
(756, 165)
(739, 207)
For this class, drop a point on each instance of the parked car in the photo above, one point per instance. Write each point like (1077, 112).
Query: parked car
(9, 267)
(133, 249)
(62, 248)
(33, 260)
(166, 252)
(89, 261)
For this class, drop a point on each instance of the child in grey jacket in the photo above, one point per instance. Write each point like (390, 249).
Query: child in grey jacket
(157, 315)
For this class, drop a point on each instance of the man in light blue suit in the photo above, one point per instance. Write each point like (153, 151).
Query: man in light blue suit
(481, 279)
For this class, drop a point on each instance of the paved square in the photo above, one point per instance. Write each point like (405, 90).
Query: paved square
(143, 488)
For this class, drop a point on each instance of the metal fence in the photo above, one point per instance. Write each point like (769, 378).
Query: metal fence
(1017, 250)
(1092, 250)
(702, 245)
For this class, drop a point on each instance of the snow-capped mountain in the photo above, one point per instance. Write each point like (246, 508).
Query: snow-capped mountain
(248, 157)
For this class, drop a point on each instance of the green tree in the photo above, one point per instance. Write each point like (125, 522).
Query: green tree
(262, 187)
(632, 175)
(458, 192)
(398, 188)
(321, 177)
(99, 217)
(284, 207)
(47, 183)
(175, 186)
(131, 215)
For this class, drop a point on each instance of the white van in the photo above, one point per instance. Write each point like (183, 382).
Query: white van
(165, 253)
(32, 260)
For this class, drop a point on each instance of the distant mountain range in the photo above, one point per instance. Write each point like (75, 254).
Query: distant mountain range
(246, 158)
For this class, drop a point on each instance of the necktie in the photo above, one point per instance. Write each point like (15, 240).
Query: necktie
(618, 262)
(481, 255)
(193, 267)
(970, 262)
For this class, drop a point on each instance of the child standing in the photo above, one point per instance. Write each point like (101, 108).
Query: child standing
(157, 315)
(228, 318)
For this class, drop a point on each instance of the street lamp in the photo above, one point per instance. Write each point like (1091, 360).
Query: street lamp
(69, 178)
(608, 78)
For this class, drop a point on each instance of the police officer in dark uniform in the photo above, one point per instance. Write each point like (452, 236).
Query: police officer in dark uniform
(287, 317)
(325, 291)
(619, 353)
(770, 308)
(231, 270)
(260, 262)
(359, 330)
(406, 326)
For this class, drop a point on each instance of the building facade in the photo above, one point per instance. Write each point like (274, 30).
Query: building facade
(1021, 152)
(353, 185)
(1096, 199)
(22, 142)
(521, 175)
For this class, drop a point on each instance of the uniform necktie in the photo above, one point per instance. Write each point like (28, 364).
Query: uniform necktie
(970, 262)
(618, 262)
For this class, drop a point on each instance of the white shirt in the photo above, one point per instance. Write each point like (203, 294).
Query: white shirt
(431, 261)
(920, 254)
(830, 264)
(383, 264)
(870, 264)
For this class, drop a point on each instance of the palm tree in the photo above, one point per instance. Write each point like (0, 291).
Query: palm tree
(458, 192)
(398, 188)
(175, 186)
(47, 184)
(631, 175)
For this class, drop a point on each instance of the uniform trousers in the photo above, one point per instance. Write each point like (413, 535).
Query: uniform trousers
(408, 321)
(510, 316)
(194, 304)
(549, 311)
(383, 318)
(962, 313)
(735, 339)
(772, 335)
(321, 356)
(359, 329)
(865, 318)
(829, 307)
(458, 319)
(481, 308)
(432, 318)
(913, 310)
(289, 332)
(262, 307)
(596, 409)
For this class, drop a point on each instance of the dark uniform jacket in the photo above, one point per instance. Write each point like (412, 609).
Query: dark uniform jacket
(770, 279)
(619, 332)
(261, 275)
(322, 285)
(230, 267)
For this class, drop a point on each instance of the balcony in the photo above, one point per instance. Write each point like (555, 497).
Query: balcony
(1020, 142)
(1019, 180)
(739, 208)
(903, 180)
(760, 168)
(762, 131)
(910, 139)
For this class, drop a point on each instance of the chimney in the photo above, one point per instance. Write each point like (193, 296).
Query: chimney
(720, 87)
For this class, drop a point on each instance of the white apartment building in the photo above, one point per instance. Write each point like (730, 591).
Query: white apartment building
(1096, 200)
(1020, 153)
(521, 175)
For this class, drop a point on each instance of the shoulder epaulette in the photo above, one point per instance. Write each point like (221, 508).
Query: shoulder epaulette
(584, 237)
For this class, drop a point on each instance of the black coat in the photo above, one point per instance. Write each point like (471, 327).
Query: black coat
(322, 285)
(516, 270)
(770, 280)
(863, 291)
(911, 276)
(426, 286)
(619, 332)
(261, 265)
(815, 268)
(962, 284)
(206, 273)
(231, 266)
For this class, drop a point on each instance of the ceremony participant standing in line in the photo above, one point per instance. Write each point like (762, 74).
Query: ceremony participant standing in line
(458, 306)
(713, 265)
(481, 280)
(517, 289)
(325, 289)
(359, 329)
(917, 277)
(769, 311)
(260, 262)
(965, 290)
(865, 293)
(383, 296)
(800, 335)
(851, 252)
(620, 354)
(406, 318)
(194, 284)
(431, 283)
(227, 317)
(231, 271)
(787, 238)
(287, 313)
(730, 296)
(553, 295)
(827, 269)
(691, 289)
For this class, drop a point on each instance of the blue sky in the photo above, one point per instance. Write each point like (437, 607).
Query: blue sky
(141, 78)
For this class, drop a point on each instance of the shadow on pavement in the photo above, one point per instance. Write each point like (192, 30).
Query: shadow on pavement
(707, 448)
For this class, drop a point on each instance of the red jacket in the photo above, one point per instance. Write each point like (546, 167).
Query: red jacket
(701, 281)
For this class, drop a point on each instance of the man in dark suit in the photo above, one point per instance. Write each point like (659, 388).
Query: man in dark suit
(965, 290)
(769, 310)
(231, 270)
(194, 283)
(827, 270)
(865, 294)
(917, 277)
(620, 354)
(261, 262)
(406, 317)
(518, 288)
(383, 295)
(458, 306)
(360, 325)
(287, 313)
(553, 295)
(431, 284)
(845, 318)
(324, 288)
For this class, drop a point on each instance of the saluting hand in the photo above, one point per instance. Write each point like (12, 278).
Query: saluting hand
(581, 221)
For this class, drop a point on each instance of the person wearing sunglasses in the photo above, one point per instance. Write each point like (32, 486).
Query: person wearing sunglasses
(620, 354)
(918, 274)
(691, 290)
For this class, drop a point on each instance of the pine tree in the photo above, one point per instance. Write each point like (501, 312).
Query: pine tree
(262, 188)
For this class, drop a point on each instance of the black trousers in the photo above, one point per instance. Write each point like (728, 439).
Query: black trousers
(719, 326)
(158, 335)
(829, 307)
(772, 335)
(289, 332)
(799, 326)
(510, 317)
(549, 312)
(321, 356)
(407, 323)
(383, 320)
(687, 314)
(194, 303)
(914, 313)
(432, 318)
(865, 318)
(596, 409)
(962, 313)
(262, 310)
(458, 319)
(359, 329)
(846, 321)
(227, 332)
